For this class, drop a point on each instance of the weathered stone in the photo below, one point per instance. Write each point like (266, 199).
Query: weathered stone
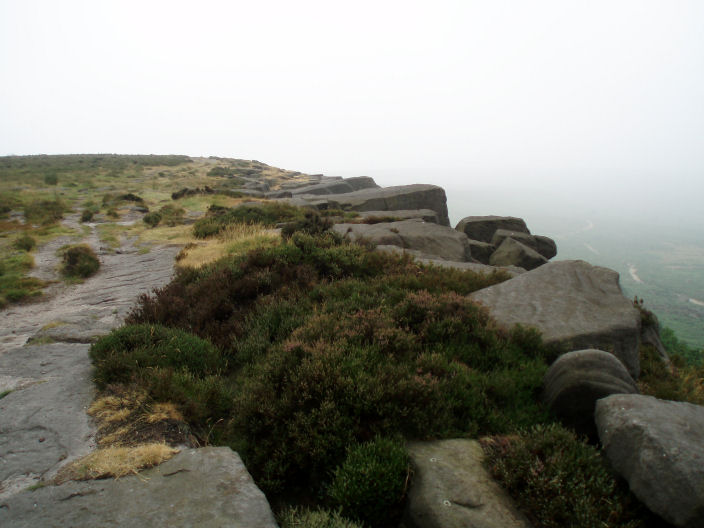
(481, 251)
(427, 215)
(545, 246)
(402, 197)
(43, 422)
(658, 447)
(482, 228)
(575, 382)
(572, 303)
(208, 487)
(430, 239)
(361, 182)
(513, 253)
(452, 489)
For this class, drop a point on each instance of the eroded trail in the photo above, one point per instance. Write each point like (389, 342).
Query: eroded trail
(43, 423)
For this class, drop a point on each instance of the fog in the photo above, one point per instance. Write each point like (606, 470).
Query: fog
(525, 108)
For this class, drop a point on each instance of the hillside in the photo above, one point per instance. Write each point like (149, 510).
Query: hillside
(258, 346)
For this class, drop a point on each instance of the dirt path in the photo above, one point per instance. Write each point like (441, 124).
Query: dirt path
(43, 423)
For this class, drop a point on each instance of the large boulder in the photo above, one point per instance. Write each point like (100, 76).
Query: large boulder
(427, 215)
(417, 196)
(571, 303)
(198, 487)
(427, 238)
(451, 488)
(482, 228)
(658, 447)
(575, 382)
(514, 253)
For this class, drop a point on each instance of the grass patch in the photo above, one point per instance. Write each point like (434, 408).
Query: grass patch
(116, 462)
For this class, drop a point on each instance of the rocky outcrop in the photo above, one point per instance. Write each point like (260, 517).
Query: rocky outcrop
(575, 382)
(452, 489)
(481, 251)
(514, 253)
(402, 197)
(572, 303)
(427, 238)
(657, 447)
(482, 228)
(427, 215)
(198, 487)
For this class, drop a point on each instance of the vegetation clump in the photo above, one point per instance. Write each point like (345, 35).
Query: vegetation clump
(560, 481)
(25, 243)
(79, 261)
(371, 484)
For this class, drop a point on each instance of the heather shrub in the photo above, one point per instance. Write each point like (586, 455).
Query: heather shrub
(24, 243)
(561, 481)
(371, 483)
(79, 261)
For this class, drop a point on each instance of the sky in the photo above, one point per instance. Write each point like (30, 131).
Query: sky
(604, 98)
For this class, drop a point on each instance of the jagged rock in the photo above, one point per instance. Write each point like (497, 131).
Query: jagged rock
(198, 487)
(481, 251)
(657, 447)
(575, 382)
(514, 253)
(482, 228)
(545, 246)
(430, 239)
(452, 489)
(572, 303)
(403, 197)
(427, 215)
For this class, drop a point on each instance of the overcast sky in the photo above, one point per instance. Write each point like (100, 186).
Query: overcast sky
(522, 89)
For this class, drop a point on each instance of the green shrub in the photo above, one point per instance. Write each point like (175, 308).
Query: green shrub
(265, 213)
(312, 224)
(79, 261)
(172, 365)
(44, 212)
(370, 485)
(304, 518)
(152, 219)
(25, 243)
(51, 179)
(560, 481)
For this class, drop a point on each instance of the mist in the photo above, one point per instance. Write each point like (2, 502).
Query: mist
(541, 108)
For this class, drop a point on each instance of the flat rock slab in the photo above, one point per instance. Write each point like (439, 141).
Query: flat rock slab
(428, 238)
(417, 196)
(571, 303)
(658, 447)
(43, 421)
(452, 489)
(207, 487)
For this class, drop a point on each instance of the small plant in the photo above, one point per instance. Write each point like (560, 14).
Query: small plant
(152, 219)
(25, 243)
(79, 262)
(371, 484)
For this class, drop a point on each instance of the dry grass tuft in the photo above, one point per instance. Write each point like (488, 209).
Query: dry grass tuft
(116, 462)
